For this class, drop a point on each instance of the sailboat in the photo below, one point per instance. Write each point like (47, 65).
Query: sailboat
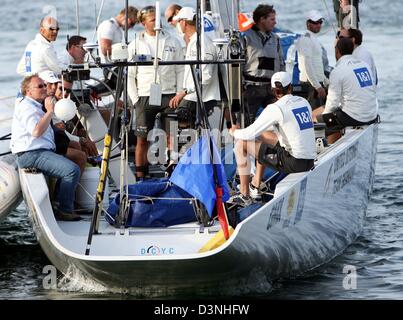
(311, 218)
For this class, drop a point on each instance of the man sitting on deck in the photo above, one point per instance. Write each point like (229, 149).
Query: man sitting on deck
(351, 99)
(32, 140)
(288, 147)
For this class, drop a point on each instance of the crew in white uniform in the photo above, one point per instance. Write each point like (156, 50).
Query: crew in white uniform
(360, 52)
(141, 78)
(282, 138)
(112, 31)
(210, 82)
(310, 61)
(39, 55)
(351, 99)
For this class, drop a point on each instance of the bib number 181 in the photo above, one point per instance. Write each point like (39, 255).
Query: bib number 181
(303, 117)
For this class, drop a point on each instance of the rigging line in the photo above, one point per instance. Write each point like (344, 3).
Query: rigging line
(91, 196)
(228, 13)
(330, 18)
(98, 18)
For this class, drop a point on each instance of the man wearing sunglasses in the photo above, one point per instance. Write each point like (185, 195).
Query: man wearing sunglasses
(75, 52)
(40, 55)
(32, 140)
(310, 61)
(111, 31)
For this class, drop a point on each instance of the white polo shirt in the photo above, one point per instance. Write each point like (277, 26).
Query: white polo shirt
(210, 82)
(39, 55)
(109, 29)
(352, 89)
(292, 118)
(27, 114)
(310, 59)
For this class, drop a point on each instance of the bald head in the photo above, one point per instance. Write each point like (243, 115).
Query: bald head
(172, 11)
(49, 27)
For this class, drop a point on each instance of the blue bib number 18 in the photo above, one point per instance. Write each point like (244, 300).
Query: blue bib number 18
(363, 76)
(303, 117)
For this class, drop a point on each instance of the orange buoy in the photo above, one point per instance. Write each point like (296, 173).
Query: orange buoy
(245, 21)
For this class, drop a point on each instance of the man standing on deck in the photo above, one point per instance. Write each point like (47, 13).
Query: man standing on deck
(310, 61)
(111, 31)
(187, 99)
(289, 148)
(264, 57)
(141, 78)
(351, 99)
(39, 55)
(32, 140)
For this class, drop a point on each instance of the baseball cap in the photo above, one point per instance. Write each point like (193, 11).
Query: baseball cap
(314, 15)
(49, 76)
(283, 77)
(186, 13)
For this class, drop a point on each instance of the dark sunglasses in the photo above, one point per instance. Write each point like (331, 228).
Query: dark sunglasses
(52, 29)
(316, 22)
(169, 20)
(40, 86)
(66, 90)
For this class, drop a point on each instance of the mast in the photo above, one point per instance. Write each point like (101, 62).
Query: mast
(78, 16)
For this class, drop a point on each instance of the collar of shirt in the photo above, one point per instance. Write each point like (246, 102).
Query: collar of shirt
(34, 102)
(42, 38)
(343, 59)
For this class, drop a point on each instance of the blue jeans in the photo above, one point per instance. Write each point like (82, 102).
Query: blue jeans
(55, 165)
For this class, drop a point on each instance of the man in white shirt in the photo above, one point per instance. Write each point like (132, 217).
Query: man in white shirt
(140, 79)
(74, 53)
(360, 52)
(310, 61)
(39, 55)
(111, 31)
(32, 140)
(351, 99)
(282, 138)
(187, 99)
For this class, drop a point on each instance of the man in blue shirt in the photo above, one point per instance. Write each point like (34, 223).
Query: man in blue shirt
(32, 140)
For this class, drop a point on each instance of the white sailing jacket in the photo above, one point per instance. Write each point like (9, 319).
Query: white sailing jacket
(39, 55)
(210, 82)
(170, 77)
(291, 116)
(352, 89)
(310, 60)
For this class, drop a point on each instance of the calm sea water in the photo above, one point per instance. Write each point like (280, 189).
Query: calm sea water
(377, 253)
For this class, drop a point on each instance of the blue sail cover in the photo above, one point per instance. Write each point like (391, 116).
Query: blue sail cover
(194, 173)
(173, 208)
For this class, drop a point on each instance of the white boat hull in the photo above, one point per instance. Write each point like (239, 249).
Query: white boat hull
(312, 218)
(10, 190)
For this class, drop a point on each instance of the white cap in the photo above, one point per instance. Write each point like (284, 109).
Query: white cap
(49, 76)
(186, 13)
(314, 15)
(283, 77)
